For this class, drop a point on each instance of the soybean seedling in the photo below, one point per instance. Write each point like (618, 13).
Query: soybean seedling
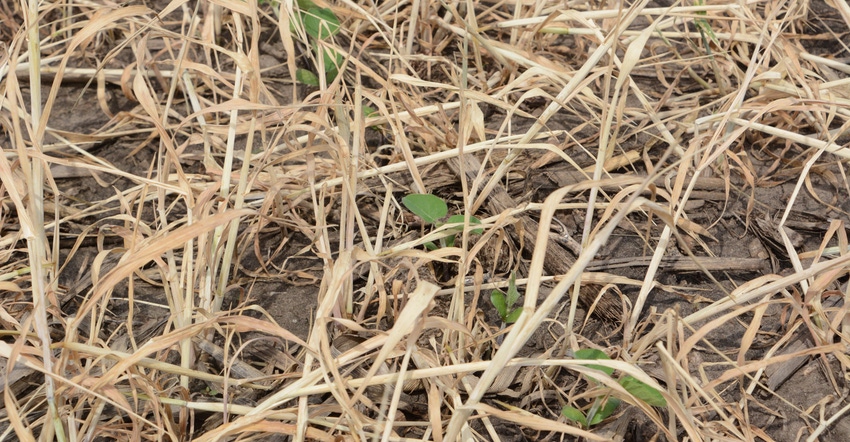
(320, 24)
(432, 209)
(504, 302)
(604, 405)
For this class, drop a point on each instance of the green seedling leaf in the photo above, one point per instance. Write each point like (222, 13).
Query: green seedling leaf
(458, 219)
(504, 302)
(331, 69)
(426, 206)
(450, 241)
(369, 111)
(513, 316)
(472, 220)
(320, 23)
(607, 410)
(306, 77)
(592, 353)
(574, 415)
(331, 59)
(705, 28)
(305, 5)
(643, 391)
(498, 300)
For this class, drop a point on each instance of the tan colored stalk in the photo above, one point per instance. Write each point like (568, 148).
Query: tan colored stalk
(42, 261)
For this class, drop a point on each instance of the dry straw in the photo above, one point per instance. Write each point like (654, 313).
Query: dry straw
(170, 185)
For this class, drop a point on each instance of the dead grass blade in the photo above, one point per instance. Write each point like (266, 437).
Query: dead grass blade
(203, 233)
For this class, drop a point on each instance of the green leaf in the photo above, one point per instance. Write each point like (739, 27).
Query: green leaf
(331, 59)
(472, 220)
(306, 4)
(331, 71)
(369, 111)
(643, 391)
(607, 410)
(513, 316)
(456, 219)
(498, 300)
(306, 77)
(513, 293)
(320, 23)
(450, 241)
(428, 207)
(592, 353)
(574, 415)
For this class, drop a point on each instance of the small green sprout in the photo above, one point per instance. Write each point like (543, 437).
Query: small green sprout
(604, 405)
(369, 112)
(704, 28)
(432, 209)
(320, 24)
(504, 302)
